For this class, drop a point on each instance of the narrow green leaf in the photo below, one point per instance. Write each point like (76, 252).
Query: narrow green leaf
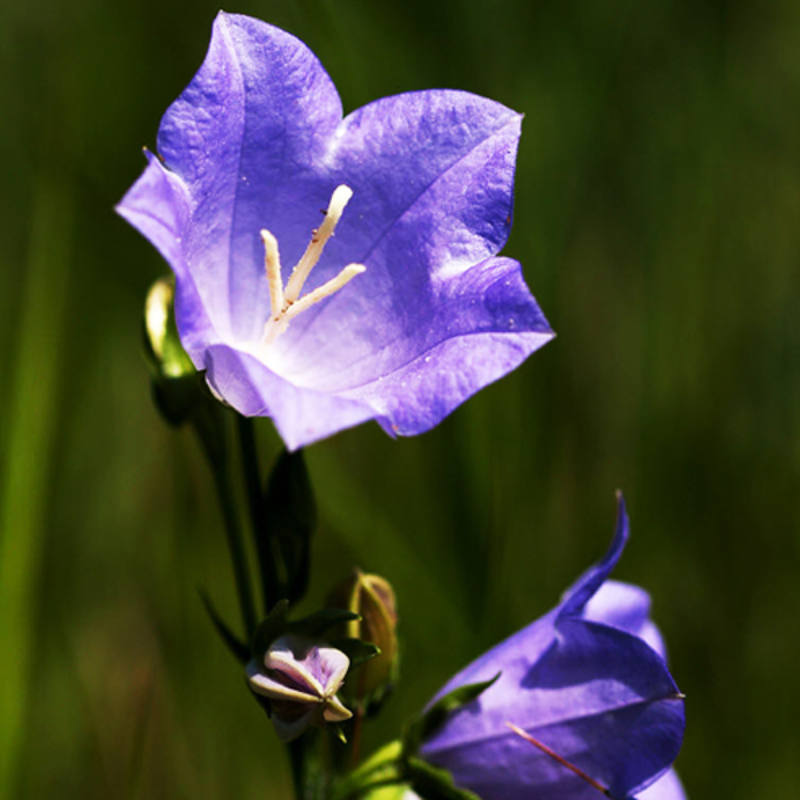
(320, 622)
(239, 649)
(270, 628)
(427, 723)
(289, 520)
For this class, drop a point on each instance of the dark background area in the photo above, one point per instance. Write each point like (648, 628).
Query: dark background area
(658, 199)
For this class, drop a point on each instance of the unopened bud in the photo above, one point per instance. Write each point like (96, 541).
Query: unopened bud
(300, 677)
(372, 598)
(175, 384)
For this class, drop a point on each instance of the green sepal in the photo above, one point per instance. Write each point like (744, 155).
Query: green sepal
(434, 718)
(357, 651)
(314, 626)
(239, 649)
(289, 520)
(320, 622)
(434, 783)
(383, 767)
(175, 384)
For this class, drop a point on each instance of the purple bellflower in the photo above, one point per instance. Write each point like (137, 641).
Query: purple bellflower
(300, 677)
(401, 316)
(588, 681)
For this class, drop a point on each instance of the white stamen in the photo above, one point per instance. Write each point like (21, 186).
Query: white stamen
(284, 304)
(272, 263)
(326, 290)
(340, 198)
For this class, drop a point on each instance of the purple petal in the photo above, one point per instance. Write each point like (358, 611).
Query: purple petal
(667, 787)
(301, 415)
(626, 607)
(307, 662)
(598, 697)
(158, 205)
(245, 136)
(576, 597)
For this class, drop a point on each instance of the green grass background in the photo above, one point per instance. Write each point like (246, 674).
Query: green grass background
(657, 218)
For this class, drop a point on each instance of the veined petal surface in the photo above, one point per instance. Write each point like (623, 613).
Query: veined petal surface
(258, 141)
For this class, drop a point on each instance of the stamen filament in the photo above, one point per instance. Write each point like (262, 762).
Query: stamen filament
(341, 197)
(272, 264)
(563, 761)
(326, 290)
(284, 303)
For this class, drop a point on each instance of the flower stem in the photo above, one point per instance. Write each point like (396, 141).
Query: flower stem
(297, 762)
(255, 502)
(210, 430)
(236, 549)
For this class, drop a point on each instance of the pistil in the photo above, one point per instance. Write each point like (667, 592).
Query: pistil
(285, 304)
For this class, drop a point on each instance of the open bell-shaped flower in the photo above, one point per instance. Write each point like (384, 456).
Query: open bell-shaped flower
(405, 312)
(583, 702)
(300, 677)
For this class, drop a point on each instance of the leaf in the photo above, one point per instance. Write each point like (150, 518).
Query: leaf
(428, 722)
(233, 643)
(434, 783)
(357, 651)
(318, 623)
(290, 517)
(270, 628)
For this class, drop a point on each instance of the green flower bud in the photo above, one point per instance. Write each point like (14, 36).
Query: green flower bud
(372, 598)
(165, 353)
(176, 387)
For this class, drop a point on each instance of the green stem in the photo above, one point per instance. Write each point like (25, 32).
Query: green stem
(210, 430)
(255, 501)
(297, 760)
(236, 548)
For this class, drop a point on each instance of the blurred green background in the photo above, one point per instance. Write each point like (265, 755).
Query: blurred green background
(657, 218)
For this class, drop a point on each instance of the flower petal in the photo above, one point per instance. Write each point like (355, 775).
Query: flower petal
(576, 597)
(242, 138)
(667, 787)
(626, 607)
(432, 174)
(302, 416)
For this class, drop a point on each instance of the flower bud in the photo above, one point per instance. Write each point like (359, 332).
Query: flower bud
(300, 677)
(166, 354)
(372, 598)
(175, 384)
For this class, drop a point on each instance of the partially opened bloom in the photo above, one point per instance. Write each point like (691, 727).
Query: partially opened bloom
(300, 677)
(584, 681)
(401, 315)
